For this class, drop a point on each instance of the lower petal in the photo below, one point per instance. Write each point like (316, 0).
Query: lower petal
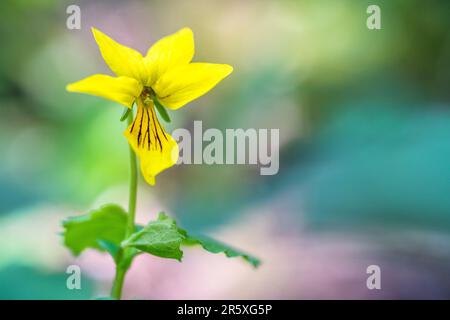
(155, 148)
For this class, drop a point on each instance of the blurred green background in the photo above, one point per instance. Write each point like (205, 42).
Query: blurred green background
(364, 119)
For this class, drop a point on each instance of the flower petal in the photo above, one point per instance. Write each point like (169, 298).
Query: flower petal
(155, 148)
(122, 60)
(123, 90)
(186, 83)
(169, 52)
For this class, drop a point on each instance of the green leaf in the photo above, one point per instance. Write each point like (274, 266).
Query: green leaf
(102, 229)
(161, 110)
(125, 114)
(215, 246)
(161, 238)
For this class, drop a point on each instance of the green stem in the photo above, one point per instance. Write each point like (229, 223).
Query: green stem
(133, 187)
(116, 291)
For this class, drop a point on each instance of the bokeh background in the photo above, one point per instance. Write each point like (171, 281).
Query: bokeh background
(364, 119)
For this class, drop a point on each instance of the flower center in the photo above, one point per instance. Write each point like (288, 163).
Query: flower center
(147, 95)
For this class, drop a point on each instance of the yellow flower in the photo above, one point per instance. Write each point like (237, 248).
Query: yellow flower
(164, 75)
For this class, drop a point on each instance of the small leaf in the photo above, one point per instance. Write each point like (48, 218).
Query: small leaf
(161, 110)
(125, 114)
(99, 229)
(161, 238)
(111, 248)
(215, 246)
(121, 258)
(128, 257)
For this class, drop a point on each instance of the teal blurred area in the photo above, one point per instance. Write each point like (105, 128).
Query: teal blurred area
(364, 120)
(40, 285)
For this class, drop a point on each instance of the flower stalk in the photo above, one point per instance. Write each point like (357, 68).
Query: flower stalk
(121, 269)
(133, 186)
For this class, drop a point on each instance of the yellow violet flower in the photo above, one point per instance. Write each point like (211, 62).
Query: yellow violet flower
(165, 74)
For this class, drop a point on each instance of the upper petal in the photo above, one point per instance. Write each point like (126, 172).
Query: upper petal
(170, 52)
(186, 83)
(123, 90)
(122, 60)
